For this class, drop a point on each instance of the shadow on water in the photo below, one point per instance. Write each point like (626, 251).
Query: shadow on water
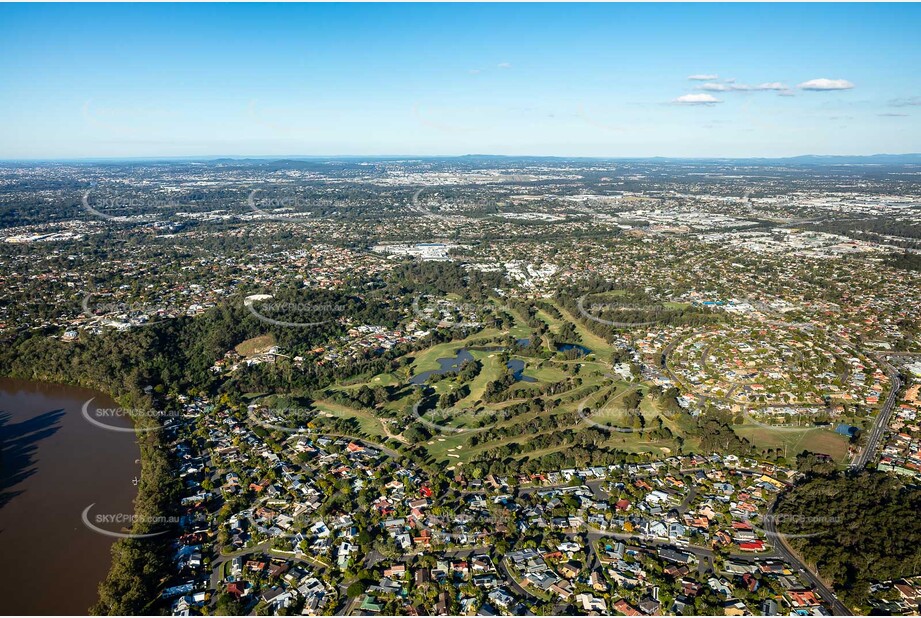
(18, 446)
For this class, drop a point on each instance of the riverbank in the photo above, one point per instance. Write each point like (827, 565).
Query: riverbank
(55, 465)
(132, 367)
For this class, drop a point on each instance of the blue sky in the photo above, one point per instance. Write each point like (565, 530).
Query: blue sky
(543, 79)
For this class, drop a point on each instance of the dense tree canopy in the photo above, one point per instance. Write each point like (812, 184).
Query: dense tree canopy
(855, 528)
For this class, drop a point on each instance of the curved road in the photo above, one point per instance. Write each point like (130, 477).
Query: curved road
(786, 552)
(880, 424)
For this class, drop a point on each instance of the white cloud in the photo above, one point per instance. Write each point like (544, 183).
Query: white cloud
(703, 77)
(772, 86)
(909, 102)
(504, 65)
(696, 99)
(892, 115)
(714, 87)
(826, 84)
(730, 87)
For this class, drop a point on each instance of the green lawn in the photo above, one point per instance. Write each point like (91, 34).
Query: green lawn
(256, 345)
(596, 344)
(543, 372)
(492, 370)
(427, 359)
(520, 330)
(796, 441)
(369, 424)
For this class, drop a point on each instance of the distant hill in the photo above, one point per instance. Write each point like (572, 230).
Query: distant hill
(484, 159)
(889, 159)
(809, 159)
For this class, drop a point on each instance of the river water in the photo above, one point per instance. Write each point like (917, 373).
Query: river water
(55, 464)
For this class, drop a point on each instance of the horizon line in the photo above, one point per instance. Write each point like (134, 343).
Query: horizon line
(263, 157)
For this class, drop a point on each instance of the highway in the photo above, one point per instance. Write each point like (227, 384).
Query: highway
(785, 551)
(880, 424)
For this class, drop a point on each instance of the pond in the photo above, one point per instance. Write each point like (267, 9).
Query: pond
(446, 365)
(517, 367)
(566, 347)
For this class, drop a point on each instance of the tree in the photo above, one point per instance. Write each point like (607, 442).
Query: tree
(355, 589)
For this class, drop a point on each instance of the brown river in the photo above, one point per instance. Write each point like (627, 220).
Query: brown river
(54, 464)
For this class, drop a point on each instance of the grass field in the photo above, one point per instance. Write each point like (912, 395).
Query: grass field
(520, 330)
(256, 345)
(796, 441)
(427, 359)
(493, 368)
(369, 424)
(451, 448)
(596, 344)
(543, 372)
